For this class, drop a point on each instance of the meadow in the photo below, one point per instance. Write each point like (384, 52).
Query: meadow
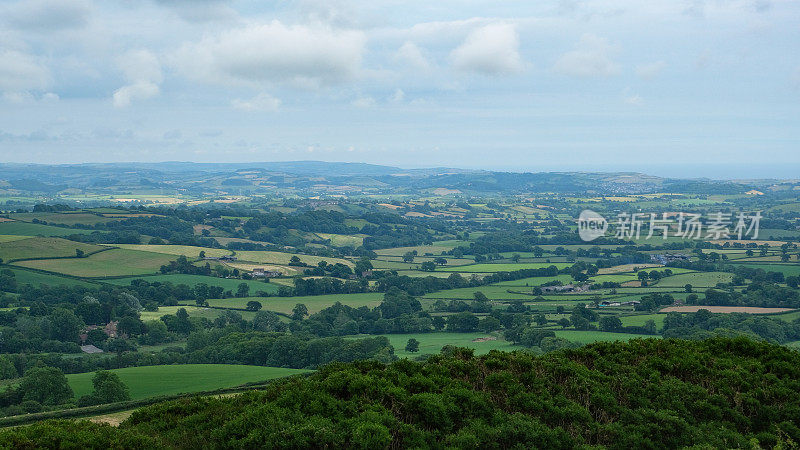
(193, 280)
(110, 263)
(153, 381)
(314, 303)
(177, 250)
(268, 257)
(36, 229)
(500, 267)
(39, 278)
(43, 247)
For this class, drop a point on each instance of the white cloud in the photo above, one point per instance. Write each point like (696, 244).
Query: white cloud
(410, 55)
(49, 15)
(591, 58)
(492, 50)
(125, 95)
(20, 72)
(301, 56)
(398, 96)
(650, 71)
(142, 71)
(261, 102)
(364, 102)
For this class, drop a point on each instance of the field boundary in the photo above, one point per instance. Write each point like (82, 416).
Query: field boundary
(85, 255)
(89, 411)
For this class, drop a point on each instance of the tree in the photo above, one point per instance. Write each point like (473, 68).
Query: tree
(253, 305)
(463, 322)
(408, 257)
(440, 261)
(203, 252)
(564, 322)
(65, 325)
(243, 290)
(643, 276)
(46, 385)
(108, 388)
(610, 323)
(515, 257)
(428, 266)
(688, 288)
(299, 311)
(412, 345)
(540, 319)
(79, 253)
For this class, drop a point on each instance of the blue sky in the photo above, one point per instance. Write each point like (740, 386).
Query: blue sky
(694, 87)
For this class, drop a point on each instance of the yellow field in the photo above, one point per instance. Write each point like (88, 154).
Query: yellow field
(267, 257)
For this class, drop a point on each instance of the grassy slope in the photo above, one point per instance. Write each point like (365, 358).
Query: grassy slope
(35, 229)
(116, 262)
(185, 250)
(37, 279)
(193, 280)
(153, 381)
(43, 247)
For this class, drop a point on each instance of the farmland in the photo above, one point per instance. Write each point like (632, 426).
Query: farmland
(41, 247)
(194, 280)
(154, 381)
(110, 263)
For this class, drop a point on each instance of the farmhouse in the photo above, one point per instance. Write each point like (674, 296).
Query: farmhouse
(264, 273)
(668, 258)
(221, 258)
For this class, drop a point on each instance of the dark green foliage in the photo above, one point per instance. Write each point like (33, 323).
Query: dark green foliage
(719, 393)
(108, 388)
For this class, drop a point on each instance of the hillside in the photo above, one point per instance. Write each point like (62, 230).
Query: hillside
(721, 393)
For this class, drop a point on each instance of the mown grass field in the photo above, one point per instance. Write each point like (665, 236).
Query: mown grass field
(152, 381)
(194, 311)
(432, 343)
(194, 280)
(267, 257)
(699, 279)
(115, 262)
(43, 247)
(786, 269)
(500, 267)
(11, 237)
(186, 250)
(314, 303)
(533, 281)
(36, 229)
(37, 278)
(587, 337)
(69, 219)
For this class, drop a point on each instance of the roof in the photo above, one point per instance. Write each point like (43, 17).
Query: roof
(90, 349)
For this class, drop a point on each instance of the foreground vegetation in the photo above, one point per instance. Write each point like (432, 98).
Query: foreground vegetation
(640, 394)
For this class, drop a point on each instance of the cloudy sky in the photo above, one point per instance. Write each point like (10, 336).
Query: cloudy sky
(657, 85)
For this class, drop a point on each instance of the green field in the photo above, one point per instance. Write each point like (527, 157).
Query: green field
(115, 262)
(699, 279)
(36, 229)
(153, 381)
(432, 343)
(11, 237)
(641, 319)
(501, 267)
(43, 247)
(194, 311)
(314, 303)
(267, 257)
(786, 269)
(186, 250)
(37, 278)
(194, 280)
(68, 219)
(534, 281)
(436, 249)
(587, 337)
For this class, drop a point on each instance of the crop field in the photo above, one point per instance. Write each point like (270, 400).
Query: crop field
(152, 381)
(432, 343)
(587, 337)
(314, 303)
(186, 250)
(11, 237)
(726, 309)
(700, 279)
(534, 281)
(37, 229)
(37, 278)
(500, 267)
(267, 257)
(436, 249)
(194, 311)
(640, 319)
(68, 219)
(194, 280)
(786, 269)
(42, 247)
(115, 262)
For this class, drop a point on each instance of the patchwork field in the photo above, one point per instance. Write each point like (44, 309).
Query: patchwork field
(38, 278)
(115, 262)
(194, 280)
(701, 279)
(153, 381)
(314, 303)
(267, 257)
(725, 309)
(43, 247)
(177, 250)
(587, 337)
(500, 267)
(36, 229)
(68, 219)
(432, 343)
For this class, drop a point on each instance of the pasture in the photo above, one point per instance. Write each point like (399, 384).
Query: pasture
(43, 247)
(432, 343)
(698, 279)
(587, 337)
(194, 280)
(69, 218)
(38, 278)
(314, 303)
(726, 309)
(153, 381)
(268, 257)
(110, 263)
(186, 250)
(37, 229)
(500, 267)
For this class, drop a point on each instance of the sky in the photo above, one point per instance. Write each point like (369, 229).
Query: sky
(668, 87)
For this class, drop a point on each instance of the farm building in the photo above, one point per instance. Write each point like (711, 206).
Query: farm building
(264, 273)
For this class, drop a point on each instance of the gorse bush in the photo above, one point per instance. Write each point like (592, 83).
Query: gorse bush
(641, 394)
